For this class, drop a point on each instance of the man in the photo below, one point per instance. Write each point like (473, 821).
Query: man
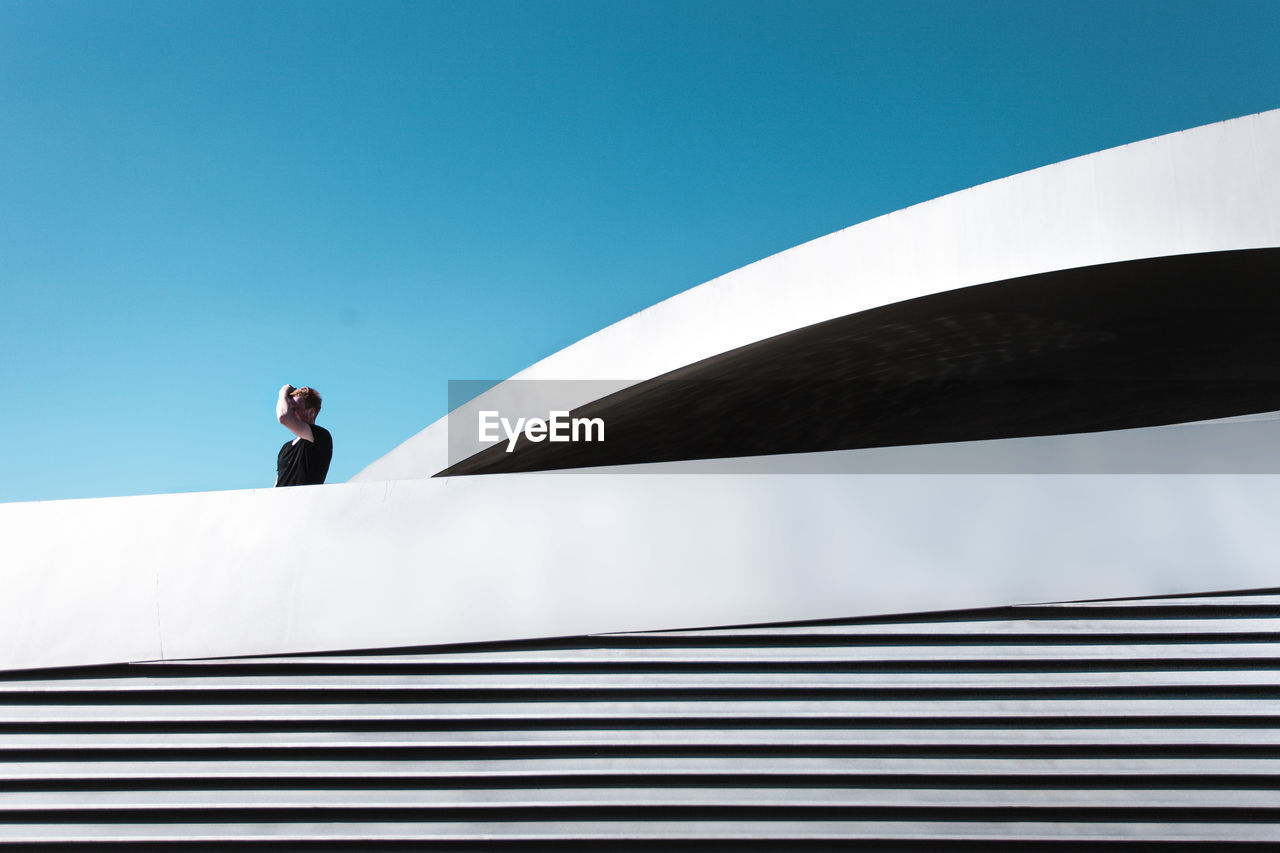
(305, 460)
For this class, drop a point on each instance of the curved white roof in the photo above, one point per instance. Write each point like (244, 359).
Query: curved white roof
(1212, 188)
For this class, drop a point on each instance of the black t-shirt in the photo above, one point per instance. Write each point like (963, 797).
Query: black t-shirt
(305, 463)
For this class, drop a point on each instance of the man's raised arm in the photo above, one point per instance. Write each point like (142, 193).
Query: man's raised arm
(287, 414)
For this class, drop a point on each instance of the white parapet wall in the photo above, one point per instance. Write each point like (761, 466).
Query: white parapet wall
(448, 560)
(1211, 188)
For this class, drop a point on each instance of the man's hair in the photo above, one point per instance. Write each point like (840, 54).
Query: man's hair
(308, 398)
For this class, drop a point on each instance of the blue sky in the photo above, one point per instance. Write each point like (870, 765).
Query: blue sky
(200, 201)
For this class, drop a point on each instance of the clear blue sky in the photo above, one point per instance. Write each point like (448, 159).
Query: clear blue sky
(200, 201)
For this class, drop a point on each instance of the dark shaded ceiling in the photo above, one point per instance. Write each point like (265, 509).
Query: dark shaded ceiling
(1116, 346)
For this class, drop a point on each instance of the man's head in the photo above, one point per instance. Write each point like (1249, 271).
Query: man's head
(306, 401)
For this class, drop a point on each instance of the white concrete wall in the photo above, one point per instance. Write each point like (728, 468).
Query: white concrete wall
(1211, 188)
(533, 555)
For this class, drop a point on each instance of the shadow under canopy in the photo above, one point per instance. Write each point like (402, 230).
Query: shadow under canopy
(1116, 346)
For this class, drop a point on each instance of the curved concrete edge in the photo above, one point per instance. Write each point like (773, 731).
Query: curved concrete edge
(1211, 188)
(1249, 444)
(519, 556)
